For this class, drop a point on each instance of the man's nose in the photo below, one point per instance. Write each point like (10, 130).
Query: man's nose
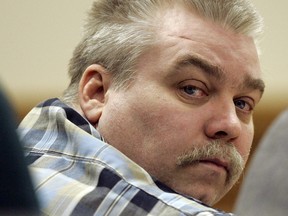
(223, 123)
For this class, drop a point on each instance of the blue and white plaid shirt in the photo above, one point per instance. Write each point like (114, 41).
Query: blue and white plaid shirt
(76, 173)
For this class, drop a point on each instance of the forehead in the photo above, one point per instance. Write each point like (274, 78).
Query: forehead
(183, 31)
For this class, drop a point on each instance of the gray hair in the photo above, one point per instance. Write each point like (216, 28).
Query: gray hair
(117, 32)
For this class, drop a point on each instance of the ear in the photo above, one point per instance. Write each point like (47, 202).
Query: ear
(93, 86)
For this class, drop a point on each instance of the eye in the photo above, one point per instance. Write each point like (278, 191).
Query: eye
(243, 105)
(193, 91)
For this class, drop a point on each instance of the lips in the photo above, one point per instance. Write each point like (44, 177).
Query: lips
(220, 163)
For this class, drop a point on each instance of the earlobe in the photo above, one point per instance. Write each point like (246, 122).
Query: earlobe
(93, 86)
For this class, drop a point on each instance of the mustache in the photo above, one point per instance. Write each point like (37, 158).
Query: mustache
(215, 150)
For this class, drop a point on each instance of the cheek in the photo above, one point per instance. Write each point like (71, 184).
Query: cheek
(246, 140)
(171, 126)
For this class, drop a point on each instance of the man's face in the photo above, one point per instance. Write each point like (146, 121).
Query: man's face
(196, 88)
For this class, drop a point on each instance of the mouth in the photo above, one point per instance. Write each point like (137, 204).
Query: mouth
(216, 162)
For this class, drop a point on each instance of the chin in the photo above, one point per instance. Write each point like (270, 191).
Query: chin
(210, 198)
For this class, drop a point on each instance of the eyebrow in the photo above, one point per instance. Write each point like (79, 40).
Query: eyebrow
(217, 72)
(253, 83)
(204, 65)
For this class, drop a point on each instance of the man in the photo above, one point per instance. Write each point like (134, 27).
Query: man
(157, 119)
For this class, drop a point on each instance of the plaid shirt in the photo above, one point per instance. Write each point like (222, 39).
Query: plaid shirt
(76, 173)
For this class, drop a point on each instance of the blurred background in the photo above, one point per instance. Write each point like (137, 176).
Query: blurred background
(37, 39)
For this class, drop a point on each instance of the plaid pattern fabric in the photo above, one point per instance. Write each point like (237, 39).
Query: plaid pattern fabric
(77, 173)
